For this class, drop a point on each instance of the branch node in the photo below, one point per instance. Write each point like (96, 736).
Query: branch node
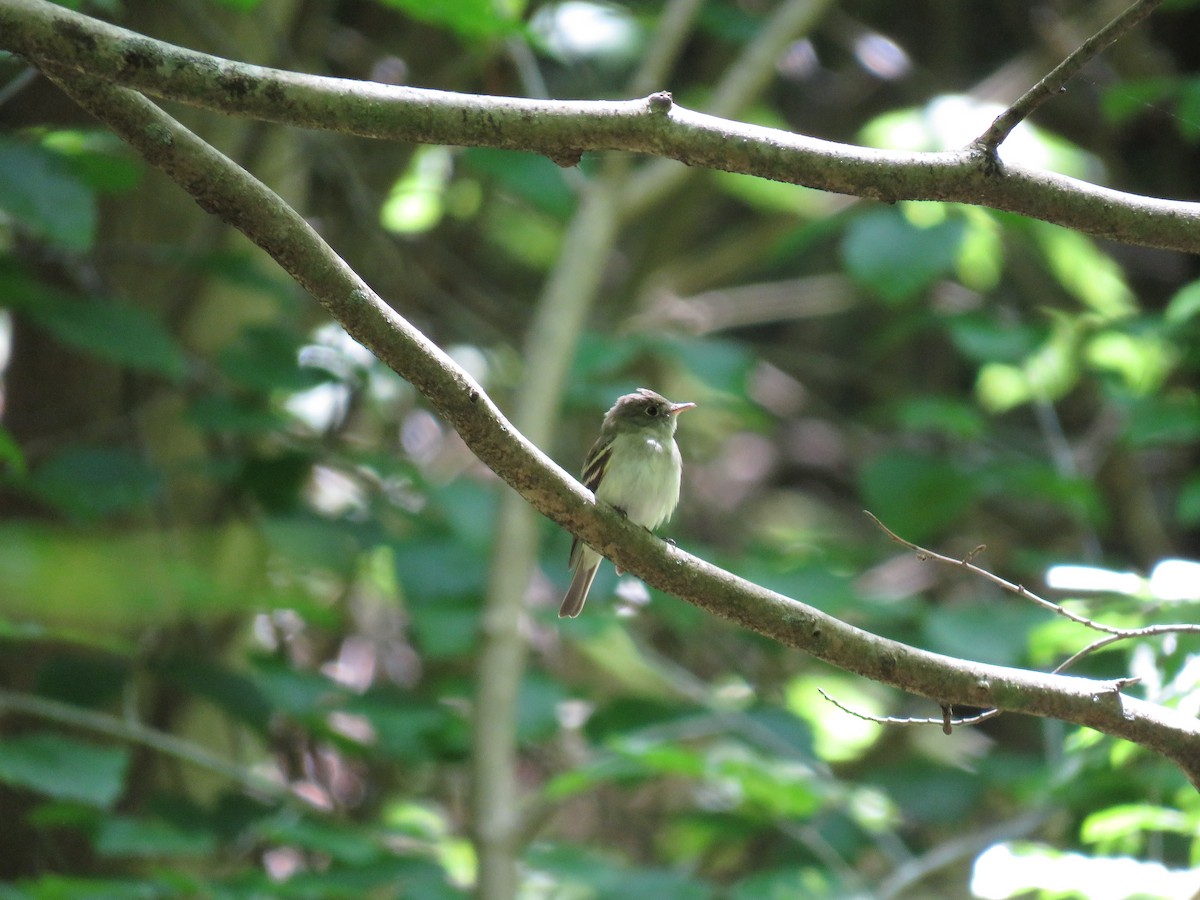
(567, 158)
(660, 102)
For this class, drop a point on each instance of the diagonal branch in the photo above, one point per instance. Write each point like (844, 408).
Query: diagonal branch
(1055, 82)
(562, 130)
(221, 187)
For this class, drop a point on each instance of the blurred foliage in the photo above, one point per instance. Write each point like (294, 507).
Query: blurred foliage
(242, 565)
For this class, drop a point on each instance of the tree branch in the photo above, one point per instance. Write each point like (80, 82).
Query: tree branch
(562, 129)
(221, 187)
(1055, 82)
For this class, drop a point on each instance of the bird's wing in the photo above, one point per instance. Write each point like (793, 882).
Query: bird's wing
(593, 471)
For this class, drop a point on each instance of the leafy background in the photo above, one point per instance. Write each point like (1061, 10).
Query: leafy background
(242, 565)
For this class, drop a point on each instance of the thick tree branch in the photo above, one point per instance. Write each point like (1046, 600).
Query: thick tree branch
(224, 189)
(563, 129)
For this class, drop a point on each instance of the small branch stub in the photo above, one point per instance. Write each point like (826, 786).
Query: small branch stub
(660, 102)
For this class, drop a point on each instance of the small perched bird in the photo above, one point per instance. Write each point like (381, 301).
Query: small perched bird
(634, 466)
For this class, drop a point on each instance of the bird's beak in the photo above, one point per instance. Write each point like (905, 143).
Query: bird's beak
(677, 408)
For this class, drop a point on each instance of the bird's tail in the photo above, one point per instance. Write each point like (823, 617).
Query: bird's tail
(581, 583)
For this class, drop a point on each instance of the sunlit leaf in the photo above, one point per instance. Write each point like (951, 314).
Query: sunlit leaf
(416, 201)
(1093, 277)
(1184, 306)
(1143, 361)
(1125, 829)
(836, 736)
(469, 19)
(99, 158)
(1047, 374)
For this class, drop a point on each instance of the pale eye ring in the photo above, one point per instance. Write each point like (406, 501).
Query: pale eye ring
(652, 411)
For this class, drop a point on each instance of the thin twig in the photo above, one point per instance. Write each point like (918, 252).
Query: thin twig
(1019, 589)
(941, 721)
(1113, 633)
(1055, 81)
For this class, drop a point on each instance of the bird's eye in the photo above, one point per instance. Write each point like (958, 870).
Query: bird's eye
(652, 411)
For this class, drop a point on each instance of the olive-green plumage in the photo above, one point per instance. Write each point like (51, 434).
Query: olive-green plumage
(634, 466)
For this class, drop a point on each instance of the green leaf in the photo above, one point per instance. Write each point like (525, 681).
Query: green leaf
(1129, 98)
(121, 334)
(124, 836)
(1184, 306)
(472, 20)
(405, 728)
(268, 359)
(940, 415)
(583, 873)
(41, 193)
(982, 338)
(234, 692)
(229, 415)
(1157, 421)
(534, 179)
(99, 158)
(1087, 273)
(895, 259)
(1187, 507)
(915, 496)
(957, 631)
(447, 629)
(432, 570)
(64, 768)
(92, 482)
(11, 455)
(340, 842)
(787, 884)
(537, 707)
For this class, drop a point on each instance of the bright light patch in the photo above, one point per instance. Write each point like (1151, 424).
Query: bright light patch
(952, 121)
(320, 407)
(576, 30)
(1093, 579)
(1171, 580)
(416, 201)
(1176, 579)
(881, 56)
(1012, 870)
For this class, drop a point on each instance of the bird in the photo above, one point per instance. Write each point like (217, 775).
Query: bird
(635, 467)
